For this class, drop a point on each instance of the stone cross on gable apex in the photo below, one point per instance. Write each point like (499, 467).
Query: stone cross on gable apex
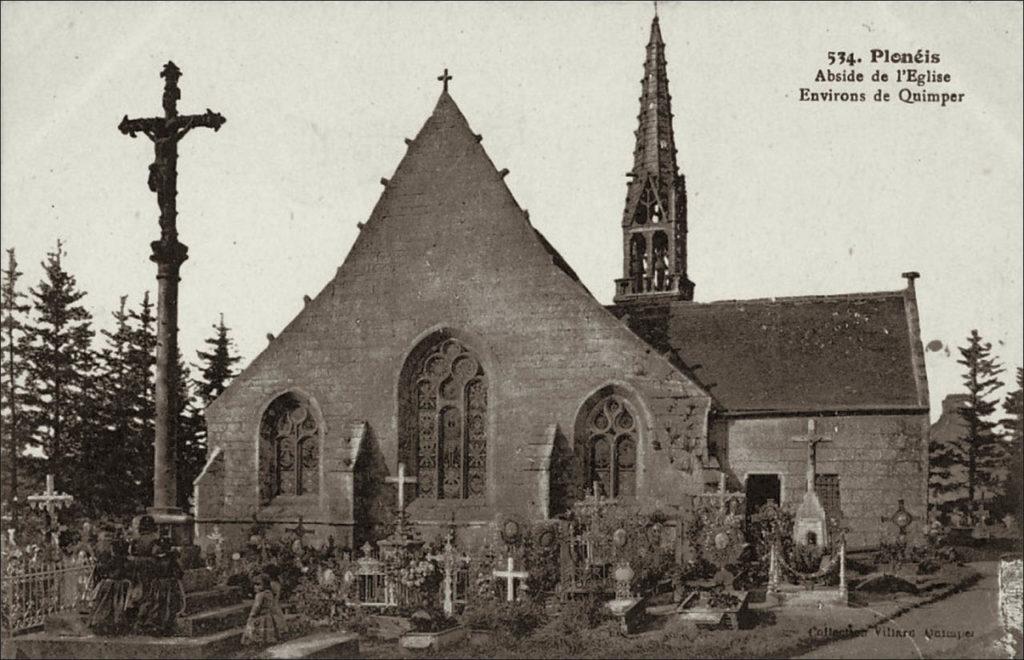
(401, 480)
(812, 439)
(444, 78)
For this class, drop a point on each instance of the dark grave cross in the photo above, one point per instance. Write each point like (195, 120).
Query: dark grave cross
(299, 530)
(168, 253)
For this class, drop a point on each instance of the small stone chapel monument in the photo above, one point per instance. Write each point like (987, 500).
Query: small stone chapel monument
(810, 527)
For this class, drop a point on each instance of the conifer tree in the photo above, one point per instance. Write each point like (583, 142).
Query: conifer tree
(985, 455)
(1013, 425)
(217, 364)
(216, 369)
(13, 311)
(946, 490)
(103, 450)
(60, 362)
(141, 358)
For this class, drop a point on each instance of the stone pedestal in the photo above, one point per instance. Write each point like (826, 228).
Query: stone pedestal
(810, 519)
(180, 524)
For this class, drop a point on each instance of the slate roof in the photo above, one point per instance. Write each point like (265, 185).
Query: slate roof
(815, 353)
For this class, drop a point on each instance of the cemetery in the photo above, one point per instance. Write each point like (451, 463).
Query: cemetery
(607, 578)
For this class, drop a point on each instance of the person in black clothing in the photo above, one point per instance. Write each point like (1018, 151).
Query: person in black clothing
(163, 597)
(110, 578)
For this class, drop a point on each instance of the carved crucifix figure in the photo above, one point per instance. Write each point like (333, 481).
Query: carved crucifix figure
(812, 440)
(168, 253)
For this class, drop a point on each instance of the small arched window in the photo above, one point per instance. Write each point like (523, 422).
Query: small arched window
(289, 448)
(607, 436)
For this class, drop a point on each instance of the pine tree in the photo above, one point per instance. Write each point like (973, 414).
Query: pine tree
(12, 332)
(943, 456)
(117, 447)
(985, 454)
(216, 369)
(1013, 425)
(59, 362)
(218, 364)
(141, 360)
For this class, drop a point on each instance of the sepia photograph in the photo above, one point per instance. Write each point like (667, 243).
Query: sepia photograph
(595, 329)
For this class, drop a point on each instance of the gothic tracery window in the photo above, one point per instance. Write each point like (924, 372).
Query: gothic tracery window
(445, 431)
(647, 207)
(289, 449)
(607, 443)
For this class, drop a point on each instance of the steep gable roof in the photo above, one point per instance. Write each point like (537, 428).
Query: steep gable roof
(813, 353)
(445, 224)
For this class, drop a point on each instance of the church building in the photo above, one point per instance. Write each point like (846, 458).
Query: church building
(454, 341)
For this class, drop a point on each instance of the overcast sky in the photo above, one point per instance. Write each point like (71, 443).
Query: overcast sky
(786, 198)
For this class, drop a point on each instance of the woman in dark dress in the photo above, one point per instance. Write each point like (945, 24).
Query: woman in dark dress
(111, 586)
(163, 598)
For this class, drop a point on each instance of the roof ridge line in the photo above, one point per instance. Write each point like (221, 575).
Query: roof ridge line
(803, 298)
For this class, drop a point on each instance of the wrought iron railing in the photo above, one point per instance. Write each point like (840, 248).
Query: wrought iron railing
(33, 591)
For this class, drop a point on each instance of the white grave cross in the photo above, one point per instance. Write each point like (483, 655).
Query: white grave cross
(401, 480)
(511, 576)
(50, 499)
(449, 560)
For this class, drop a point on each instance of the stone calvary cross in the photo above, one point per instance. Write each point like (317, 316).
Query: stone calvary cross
(810, 515)
(168, 253)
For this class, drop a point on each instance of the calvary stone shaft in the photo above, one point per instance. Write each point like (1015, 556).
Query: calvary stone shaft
(168, 253)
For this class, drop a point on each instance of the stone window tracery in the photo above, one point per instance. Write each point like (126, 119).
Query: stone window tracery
(289, 449)
(647, 207)
(446, 439)
(610, 436)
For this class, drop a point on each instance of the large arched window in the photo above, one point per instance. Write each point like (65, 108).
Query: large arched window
(444, 411)
(607, 436)
(289, 448)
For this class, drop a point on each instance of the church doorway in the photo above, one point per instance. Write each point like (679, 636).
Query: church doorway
(760, 489)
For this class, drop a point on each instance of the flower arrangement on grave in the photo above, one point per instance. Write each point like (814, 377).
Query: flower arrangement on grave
(770, 526)
(622, 535)
(716, 532)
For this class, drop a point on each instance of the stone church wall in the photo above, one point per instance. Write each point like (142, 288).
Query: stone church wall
(448, 250)
(879, 459)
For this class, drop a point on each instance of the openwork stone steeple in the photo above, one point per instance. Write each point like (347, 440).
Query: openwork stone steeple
(654, 220)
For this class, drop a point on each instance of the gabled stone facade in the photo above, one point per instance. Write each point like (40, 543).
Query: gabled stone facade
(448, 287)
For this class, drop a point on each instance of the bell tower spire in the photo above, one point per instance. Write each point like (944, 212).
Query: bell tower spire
(654, 220)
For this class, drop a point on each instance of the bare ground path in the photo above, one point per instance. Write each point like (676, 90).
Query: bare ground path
(965, 625)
